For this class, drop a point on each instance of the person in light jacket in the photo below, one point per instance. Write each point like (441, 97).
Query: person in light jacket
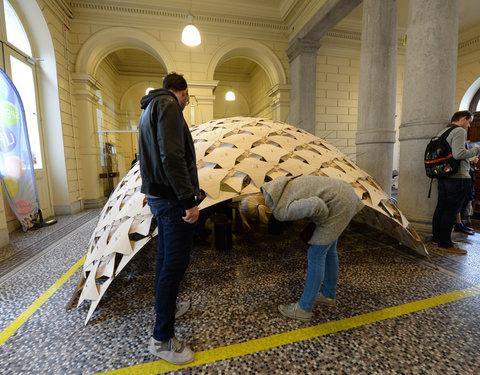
(327, 202)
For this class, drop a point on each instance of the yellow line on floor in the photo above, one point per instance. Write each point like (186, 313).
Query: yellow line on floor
(17, 323)
(249, 347)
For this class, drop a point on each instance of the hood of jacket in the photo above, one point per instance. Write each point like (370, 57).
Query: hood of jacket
(145, 101)
(273, 190)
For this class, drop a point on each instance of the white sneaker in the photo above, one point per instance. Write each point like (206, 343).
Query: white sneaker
(172, 350)
(294, 311)
(181, 308)
(321, 299)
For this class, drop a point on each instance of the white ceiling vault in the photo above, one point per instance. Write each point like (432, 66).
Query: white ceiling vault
(275, 19)
(288, 15)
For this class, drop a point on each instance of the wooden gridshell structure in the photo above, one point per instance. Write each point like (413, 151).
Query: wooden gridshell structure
(235, 156)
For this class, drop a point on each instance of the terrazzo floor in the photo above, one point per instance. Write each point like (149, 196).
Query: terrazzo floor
(234, 296)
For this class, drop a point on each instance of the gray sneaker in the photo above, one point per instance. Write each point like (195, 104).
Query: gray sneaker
(322, 300)
(172, 350)
(181, 308)
(295, 312)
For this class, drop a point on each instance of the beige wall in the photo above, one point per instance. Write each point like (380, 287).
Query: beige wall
(62, 39)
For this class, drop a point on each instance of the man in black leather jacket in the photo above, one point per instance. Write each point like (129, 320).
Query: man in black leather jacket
(170, 182)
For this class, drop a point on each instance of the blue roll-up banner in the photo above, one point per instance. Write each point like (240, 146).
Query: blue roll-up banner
(16, 165)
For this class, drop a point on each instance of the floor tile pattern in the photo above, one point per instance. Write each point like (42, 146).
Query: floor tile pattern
(25, 245)
(234, 296)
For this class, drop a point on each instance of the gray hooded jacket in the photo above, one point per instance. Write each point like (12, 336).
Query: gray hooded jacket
(328, 202)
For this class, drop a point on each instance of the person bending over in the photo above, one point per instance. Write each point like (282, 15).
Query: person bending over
(328, 203)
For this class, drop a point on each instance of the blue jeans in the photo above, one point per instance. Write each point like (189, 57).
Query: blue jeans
(174, 245)
(452, 192)
(322, 268)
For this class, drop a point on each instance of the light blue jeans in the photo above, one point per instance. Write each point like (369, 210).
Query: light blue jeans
(322, 268)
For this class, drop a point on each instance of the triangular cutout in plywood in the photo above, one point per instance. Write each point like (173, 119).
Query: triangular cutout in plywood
(336, 173)
(224, 156)
(201, 147)
(255, 168)
(243, 140)
(269, 152)
(235, 181)
(287, 143)
(120, 242)
(143, 225)
(297, 167)
(376, 195)
(211, 179)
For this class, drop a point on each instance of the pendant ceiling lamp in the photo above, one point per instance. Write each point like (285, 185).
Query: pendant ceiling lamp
(230, 96)
(191, 35)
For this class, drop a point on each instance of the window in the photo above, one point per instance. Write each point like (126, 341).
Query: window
(22, 77)
(475, 103)
(16, 34)
(21, 70)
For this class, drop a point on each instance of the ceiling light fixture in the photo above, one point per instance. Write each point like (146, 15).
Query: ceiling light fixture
(230, 96)
(191, 35)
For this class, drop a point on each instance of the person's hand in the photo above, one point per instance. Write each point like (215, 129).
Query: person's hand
(191, 215)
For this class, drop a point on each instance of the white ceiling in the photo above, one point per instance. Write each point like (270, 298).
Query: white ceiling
(282, 11)
(276, 10)
(255, 9)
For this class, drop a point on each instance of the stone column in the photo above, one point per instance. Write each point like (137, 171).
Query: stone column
(303, 76)
(85, 87)
(428, 100)
(280, 95)
(202, 98)
(376, 103)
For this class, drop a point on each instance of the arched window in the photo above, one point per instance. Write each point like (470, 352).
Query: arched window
(16, 34)
(20, 67)
(475, 103)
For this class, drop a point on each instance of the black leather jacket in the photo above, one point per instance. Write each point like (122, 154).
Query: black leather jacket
(166, 152)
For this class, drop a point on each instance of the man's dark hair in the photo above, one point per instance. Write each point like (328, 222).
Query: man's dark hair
(458, 115)
(174, 82)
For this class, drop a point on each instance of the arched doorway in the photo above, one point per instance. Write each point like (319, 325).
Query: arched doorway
(109, 64)
(246, 56)
(123, 78)
(249, 83)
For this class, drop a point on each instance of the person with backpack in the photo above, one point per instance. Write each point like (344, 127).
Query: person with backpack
(453, 189)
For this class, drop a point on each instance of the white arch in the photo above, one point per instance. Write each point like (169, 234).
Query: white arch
(252, 50)
(42, 46)
(104, 42)
(467, 98)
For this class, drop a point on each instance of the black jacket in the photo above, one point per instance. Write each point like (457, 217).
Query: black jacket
(166, 152)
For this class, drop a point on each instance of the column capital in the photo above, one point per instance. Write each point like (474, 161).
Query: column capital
(204, 84)
(86, 79)
(85, 85)
(204, 99)
(302, 46)
(280, 94)
(278, 89)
